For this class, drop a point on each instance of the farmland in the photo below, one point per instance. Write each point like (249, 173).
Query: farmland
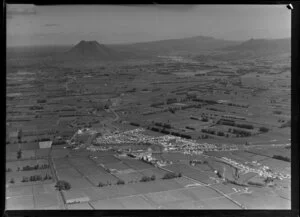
(208, 129)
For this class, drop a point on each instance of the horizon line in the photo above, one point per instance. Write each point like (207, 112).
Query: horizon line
(132, 43)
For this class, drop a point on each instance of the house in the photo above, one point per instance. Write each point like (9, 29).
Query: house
(45, 144)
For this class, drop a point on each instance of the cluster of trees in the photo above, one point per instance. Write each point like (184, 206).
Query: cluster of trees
(214, 132)
(198, 162)
(263, 129)
(258, 184)
(233, 124)
(185, 136)
(19, 154)
(237, 105)
(8, 170)
(287, 124)
(35, 178)
(239, 133)
(171, 100)
(279, 157)
(156, 104)
(168, 126)
(235, 182)
(36, 107)
(203, 137)
(63, 185)
(206, 101)
(170, 175)
(190, 128)
(134, 124)
(103, 185)
(220, 133)
(59, 142)
(36, 167)
(132, 90)
(204, 118)
(148, 178)
(277, 112)
(214, 109)
(41, 101)
(246, 126)
(120, 182)
(209, 131)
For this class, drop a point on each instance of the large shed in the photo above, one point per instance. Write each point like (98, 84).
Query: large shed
(45, 144)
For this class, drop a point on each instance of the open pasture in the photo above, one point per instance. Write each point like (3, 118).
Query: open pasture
(11, 156)
(77, 183)
(137, 164)
(169, 184)
(219, 203)
(96, 193)
(167, 196)
(44, 188)
(198, 193)
(59, 153)
(147, 187)
(25, 202)
(80, 161)
(67, 173)
(45, 200)
(136, 202)
(102, 177)
(61, 163)
(243, 178)
(261, 199)
(184, 181)
(118, 166)
(106, 159)
(13, 147)
(89, 169)
(19, 191)
(28, 154)
(191, 172)
(29, 146)
(158, 173)
(79, 206)
(107, 204)
(182, 205)
(42, 153)
(270, 152)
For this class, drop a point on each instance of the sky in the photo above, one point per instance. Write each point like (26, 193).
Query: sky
(29, 25)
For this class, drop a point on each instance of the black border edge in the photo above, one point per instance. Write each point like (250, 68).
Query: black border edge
(295, 87)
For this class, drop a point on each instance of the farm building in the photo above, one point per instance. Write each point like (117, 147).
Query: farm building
(45, 144)
(75, 197)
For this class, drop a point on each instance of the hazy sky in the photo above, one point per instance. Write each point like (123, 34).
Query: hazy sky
(42, 25)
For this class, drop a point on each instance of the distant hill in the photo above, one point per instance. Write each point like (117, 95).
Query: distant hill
(86, 50)
(252, 48)
(192, 44)
(263, 46)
